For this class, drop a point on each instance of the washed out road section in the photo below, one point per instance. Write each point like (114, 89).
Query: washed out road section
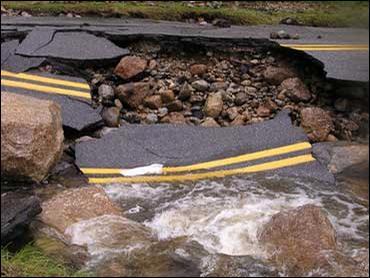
(134, 146)
(77, 112)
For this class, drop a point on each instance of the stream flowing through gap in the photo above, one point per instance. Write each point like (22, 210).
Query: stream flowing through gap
(221, 218)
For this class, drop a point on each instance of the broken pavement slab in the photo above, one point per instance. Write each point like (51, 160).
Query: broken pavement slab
(77, 112)
(17, 63)
(274, 144)
(71, 45)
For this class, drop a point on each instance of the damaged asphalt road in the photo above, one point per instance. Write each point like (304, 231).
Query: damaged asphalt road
(339, 64)
(35, 41)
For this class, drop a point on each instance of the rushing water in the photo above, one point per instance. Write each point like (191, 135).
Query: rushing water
(224, 217)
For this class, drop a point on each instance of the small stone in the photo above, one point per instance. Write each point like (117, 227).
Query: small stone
(331, 138)
(296, 90)
(209, 122)
(198, 69)
(69, 15)
(175, 106)
(200, 85)
(317, 123)
(153, 102)
(296, 37)
(239, 120)
(130, 66)
(232, 113)
(276, 75)
(162, 112)
(246, 82)
(213, 105)
(185, 91)
(263, 111)
(217, 86)
(111, 116)
(25, 14)
(151, 118)
(118, 104)
(174, 118)
(254, 62)
(167, 96)
(283, 35)
(241, 98)
(152, 64)
(133, 94)
(106, 92)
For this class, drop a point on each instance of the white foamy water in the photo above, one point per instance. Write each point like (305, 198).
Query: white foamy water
(107, 235)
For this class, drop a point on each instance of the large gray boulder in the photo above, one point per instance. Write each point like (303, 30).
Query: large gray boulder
(31, 137)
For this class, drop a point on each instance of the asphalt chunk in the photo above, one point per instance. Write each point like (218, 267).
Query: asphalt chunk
(69, 45)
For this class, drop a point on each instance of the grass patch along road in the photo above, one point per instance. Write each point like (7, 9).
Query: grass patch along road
(31, 262)
(312, 13)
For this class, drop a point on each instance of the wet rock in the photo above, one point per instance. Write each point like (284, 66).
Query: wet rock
(209, 122)
(133, 94)
(338, 156)
(213, 105)
(200, 85)
(104, 235)
(274, 36)
(111, 116)
(17, 212)
(31, 137)
(198, 69)
(276, 75)
(317, 123)
(175, 106)
(153, 102)
(296, 90)
(299, 239)
(167, 258)
(185, 91)
(130, 66)
(174, 118)
(167, 96)
(75, 205)
(106, 93)
(239, 266)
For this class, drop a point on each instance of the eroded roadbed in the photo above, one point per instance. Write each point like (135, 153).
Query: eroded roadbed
(182, 153)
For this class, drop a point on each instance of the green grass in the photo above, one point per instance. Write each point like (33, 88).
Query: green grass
(31, 262)
(320, 13)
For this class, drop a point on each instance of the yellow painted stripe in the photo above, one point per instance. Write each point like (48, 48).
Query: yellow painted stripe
(44, 89)
(46, 79)
(330, 49)
(209, 175)
(215, 163)
(327, 47)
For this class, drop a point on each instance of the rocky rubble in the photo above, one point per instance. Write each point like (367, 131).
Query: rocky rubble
(161, 87)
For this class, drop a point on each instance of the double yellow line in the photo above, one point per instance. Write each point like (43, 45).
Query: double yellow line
(191, 176)
(328, 47)
(81, 90)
